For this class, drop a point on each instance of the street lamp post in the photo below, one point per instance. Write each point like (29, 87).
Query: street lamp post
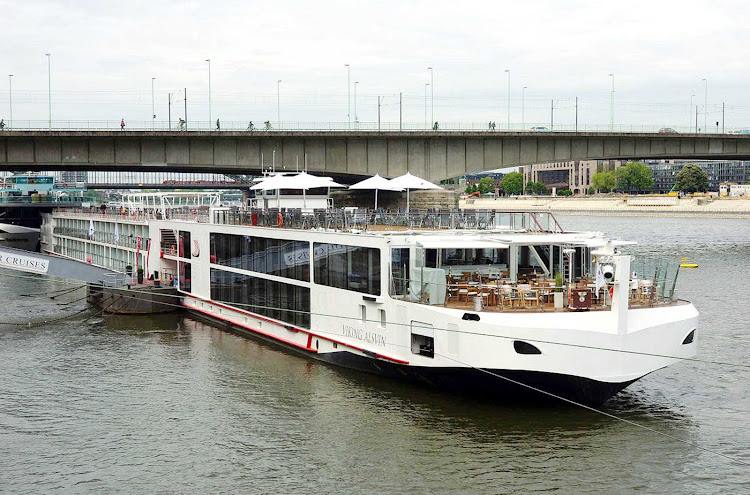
(705, 105)
(278, 104)
(425, 105)
(432, 96)
(49, 88)
(523, 108)
(356, 120)
(153, 111)
(690, 112)
(209, 93)
(612, 105)
(507, 71)
(348, 96)
(10, 100)
(169, 110)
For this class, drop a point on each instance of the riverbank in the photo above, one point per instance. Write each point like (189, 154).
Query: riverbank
(626, 206)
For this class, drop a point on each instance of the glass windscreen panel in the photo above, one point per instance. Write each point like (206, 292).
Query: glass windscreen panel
(354, 268)
(278, 300)
(280, 257)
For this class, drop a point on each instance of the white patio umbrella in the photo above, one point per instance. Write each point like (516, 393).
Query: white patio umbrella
(409, 181)
(302, 181)
(377, 183)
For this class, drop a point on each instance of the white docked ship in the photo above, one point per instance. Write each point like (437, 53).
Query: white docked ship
(467, 301)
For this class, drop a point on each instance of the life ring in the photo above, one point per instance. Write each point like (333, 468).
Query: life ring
(280, 219)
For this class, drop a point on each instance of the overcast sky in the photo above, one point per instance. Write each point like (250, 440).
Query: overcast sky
(104, 54)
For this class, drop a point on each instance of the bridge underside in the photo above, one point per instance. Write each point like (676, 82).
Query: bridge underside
(433, 155)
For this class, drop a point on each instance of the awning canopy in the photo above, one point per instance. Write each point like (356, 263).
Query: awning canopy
(573, 239)
(459, 243)
(302, 181)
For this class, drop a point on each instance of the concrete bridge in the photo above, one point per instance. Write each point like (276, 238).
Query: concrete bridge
(435, 155)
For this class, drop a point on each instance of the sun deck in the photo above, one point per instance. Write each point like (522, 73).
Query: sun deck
(532, 298)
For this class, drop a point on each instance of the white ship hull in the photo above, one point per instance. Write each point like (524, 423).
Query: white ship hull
(575, 362)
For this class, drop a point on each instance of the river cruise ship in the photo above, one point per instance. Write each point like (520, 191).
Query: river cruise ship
(497, 304)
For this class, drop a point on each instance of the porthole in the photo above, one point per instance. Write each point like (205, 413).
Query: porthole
(522, 347)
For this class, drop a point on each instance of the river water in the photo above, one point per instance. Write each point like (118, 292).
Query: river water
(169, 404)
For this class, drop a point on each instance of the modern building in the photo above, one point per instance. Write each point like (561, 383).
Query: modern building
(718, 171)
(73, 176)
(574, 175)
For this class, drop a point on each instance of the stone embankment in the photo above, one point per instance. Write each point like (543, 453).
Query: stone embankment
(620, 206)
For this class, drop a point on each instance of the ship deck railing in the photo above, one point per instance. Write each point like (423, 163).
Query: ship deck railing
(529, 294)
(362, 219)
(199, 215)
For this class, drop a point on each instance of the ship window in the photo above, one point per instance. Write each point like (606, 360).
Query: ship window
(353, 268)
(278, 300)
(363, 312)
(185, 244)
(185, 279)
(382, 318)
(280, 257)
(399, 269)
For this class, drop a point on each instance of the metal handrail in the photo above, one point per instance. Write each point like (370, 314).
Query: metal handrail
(364, 219)
(323, 126)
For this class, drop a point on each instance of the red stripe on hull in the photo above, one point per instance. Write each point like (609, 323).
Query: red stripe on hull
(297, 329)
(265, 334)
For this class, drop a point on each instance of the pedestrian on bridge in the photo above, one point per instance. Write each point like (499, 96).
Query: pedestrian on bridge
(122, 124)
(2, 124)
(218, 125)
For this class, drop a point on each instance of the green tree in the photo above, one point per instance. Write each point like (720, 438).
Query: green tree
(565, 192)
(536, 188)
(592, 190)
(486, 185)
(604, 181)
(468, 189)
(634, 176)
(691, 179)
(513, 183)
(540, 188)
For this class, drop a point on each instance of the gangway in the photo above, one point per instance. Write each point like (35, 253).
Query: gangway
(55, 266)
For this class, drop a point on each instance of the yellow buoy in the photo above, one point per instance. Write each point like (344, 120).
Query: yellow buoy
(688, 265)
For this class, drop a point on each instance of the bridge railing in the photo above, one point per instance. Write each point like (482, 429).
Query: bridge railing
(323, 126)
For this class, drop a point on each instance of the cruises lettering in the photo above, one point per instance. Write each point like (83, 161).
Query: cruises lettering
(364, 336)
(23, 262)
